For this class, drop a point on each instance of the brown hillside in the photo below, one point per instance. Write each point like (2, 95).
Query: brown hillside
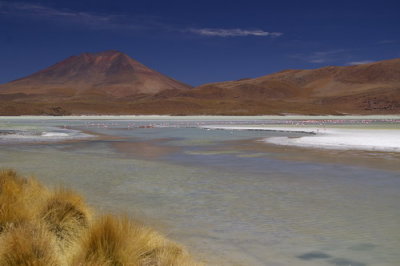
(112, 83)
(110, 73)
(363, 88)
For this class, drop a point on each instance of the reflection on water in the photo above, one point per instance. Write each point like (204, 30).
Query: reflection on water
(232, 199)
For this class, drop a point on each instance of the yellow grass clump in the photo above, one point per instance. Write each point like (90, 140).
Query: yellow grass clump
(66, 216)
(29, 244)
(39, 226)
(120, 241)
(20, 199)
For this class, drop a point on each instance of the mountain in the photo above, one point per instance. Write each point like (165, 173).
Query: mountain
(111, 73)
(366, 88)
(361, 89)
(112, 83)
(90, 78)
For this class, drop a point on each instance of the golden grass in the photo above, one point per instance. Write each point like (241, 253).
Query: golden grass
(39, 226)
(66, 215)
(29, 244)
(19, 199)
(120, 241)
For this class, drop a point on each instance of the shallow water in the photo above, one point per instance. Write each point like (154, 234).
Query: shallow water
(229, 197)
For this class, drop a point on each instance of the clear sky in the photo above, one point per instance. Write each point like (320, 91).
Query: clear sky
(203, 41)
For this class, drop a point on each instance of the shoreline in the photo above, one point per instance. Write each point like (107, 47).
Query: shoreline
(174, 117)
(382, 140)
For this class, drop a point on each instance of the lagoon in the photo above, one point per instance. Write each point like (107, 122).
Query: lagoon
(230, 196)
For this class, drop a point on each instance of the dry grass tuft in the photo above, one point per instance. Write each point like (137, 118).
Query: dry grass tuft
(28, 245)
(66, 215)
(41, 227)
(120, 241)
(20, 199)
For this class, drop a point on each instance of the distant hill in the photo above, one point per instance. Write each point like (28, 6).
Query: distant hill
(112, 83)
(90, 78)
(366, 88)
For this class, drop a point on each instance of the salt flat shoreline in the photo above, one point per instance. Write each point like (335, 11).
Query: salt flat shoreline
(196, 117)
(384, 140)
(331, 132)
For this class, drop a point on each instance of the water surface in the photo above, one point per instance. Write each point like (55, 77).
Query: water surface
(227, 195)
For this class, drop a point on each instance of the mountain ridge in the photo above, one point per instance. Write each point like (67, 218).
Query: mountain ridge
(111, 82)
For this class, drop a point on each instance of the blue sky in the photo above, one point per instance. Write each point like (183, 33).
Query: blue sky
(199, 42)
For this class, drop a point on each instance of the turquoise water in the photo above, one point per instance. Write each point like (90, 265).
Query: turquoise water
(228, 196)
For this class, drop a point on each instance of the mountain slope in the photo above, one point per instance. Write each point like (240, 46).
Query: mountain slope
(110, 73)
(363, 88)
(112, 83)
(324, 82)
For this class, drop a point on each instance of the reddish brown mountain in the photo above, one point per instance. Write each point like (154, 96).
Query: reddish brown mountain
(112, 83)
(111, 73)
(366, 88)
